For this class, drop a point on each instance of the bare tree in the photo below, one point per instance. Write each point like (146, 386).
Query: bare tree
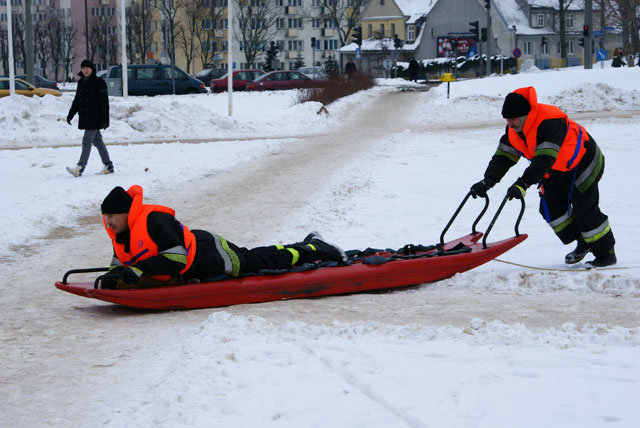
(42, 44)
(208, 29)
(169, 11)
(256, 26)
(191, 10)
(627, 19)
(345, 15)
(139, 31)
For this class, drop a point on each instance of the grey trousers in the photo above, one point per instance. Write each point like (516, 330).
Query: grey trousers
(93, 136)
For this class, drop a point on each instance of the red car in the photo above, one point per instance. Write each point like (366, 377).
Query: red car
(240, 79)
(276, 80)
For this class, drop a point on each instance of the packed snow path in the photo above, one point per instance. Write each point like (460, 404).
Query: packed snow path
(69, 361)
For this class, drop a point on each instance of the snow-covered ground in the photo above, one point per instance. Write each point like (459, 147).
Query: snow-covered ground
(501, 345)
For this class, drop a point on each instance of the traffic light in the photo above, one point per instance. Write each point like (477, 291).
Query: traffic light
(487, 4)
(397, 43)
(483, 34)
(543, 41)
(585, 30)
(357, 36)
(454, 43)
(474, 29)
(581, 42)
(313, 42)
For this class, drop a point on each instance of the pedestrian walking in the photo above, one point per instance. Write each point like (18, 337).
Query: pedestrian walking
(92, 105)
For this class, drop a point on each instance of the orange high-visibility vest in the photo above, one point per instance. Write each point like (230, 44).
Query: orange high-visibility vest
(141, 246)
(572, 149)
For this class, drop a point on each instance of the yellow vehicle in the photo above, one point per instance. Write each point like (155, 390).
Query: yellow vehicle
(25, 88)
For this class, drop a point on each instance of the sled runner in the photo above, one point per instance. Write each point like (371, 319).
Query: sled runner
(366, 271)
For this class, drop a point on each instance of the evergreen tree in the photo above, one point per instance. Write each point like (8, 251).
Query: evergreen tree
(299, 61)
(331, 67)
(271, 57)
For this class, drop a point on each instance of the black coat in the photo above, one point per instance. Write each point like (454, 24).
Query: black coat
(91, 103)
(414, 67)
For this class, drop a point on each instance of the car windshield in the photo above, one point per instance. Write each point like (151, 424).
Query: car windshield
(204, 72)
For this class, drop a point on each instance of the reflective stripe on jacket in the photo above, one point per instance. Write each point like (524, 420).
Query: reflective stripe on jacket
(572, 148)
(141, 246)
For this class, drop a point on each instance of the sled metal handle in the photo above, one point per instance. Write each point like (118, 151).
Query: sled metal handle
(495, 217)
(475, 223)
(85, 270)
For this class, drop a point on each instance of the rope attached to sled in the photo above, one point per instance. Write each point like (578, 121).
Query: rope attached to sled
(562, 270)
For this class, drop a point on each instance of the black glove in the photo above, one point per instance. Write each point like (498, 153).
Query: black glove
(480, 188)
(110, 279)
(105, 125)
(122, 274)
(517, 190)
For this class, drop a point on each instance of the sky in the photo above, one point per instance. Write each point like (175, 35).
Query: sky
(524, 341)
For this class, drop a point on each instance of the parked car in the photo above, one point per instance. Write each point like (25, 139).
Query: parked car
(240, 79)
(25, 88)
(207, 74)
(313, 72)
(40, 82)
(153, 79)
(277, 80)
(102, 74)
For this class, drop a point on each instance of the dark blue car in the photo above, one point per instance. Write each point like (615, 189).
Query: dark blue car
(153, 79)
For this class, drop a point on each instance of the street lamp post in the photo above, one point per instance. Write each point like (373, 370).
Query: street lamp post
(86, 27)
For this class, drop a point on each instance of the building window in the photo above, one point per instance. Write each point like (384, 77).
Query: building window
(544, 48)
(569, 20)
(369, 30)
(411, 32)
(294, 2)
(315, 22)
(393, 29)
(295, 22)
(570, 47)
(381, 29)
(279, 3)
(527, 48)
(328, 23)
(540, 20)
(279, 22)
(558, 48)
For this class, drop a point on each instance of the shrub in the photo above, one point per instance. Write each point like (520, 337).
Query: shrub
(337, 88)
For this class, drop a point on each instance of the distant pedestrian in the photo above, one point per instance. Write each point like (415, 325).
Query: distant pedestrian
(350, 68)
(617, 59)
(92, 105)
(414, 68)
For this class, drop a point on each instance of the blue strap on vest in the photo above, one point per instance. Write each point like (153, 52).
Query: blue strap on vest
(135, 258)
(570, 164)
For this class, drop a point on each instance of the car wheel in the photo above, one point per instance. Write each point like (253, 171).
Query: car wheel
(190, 91)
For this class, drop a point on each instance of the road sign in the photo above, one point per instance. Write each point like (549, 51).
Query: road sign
(358, 55)
(601, 55)
(608, 28)
(517, 53)
(387, 64)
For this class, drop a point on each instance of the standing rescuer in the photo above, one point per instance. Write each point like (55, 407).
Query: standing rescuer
(566, 163)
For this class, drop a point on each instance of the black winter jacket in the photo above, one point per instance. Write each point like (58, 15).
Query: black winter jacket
(91, 103)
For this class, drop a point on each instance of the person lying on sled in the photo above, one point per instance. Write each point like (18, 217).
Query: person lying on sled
(152, 248)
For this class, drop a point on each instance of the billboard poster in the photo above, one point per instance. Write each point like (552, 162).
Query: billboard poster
(447, 46)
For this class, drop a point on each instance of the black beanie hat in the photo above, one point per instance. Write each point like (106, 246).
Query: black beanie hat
(117, 201)
(515, 105)
(86, 63)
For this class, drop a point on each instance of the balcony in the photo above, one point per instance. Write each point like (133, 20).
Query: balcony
(292, 54)
(292, 32)
(290, 10)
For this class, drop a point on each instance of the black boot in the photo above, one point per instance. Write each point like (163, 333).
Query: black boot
(606, 259)
(314, 248)
(581, 250)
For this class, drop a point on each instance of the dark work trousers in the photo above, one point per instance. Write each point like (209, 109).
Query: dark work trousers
(573, 212)
(93, 136)
(209, 261)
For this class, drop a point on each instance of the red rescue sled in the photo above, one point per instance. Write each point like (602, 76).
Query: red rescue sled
(443, 261)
